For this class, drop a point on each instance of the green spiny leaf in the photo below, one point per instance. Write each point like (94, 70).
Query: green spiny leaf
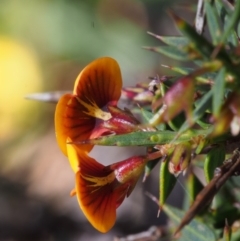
(238, 29)
(180, 70)
(224, 198)
(205, 48)
(193, 187)
(213, 24)
(199, 43)
(233, 38)
(195, 230)
(147, 115)
(175, 41)
(223, 9)
(224, 12)
(167, 183)
(144, 138)
(213, 159)
(177, 122)
(218, 91)
(204, 79)
(203, 105)
(203, 124)
(231, 22)
(151, 164)
(148, 168)
(170, 52)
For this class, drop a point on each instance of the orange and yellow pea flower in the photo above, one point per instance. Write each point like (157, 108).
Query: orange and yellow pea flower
(90, 112)
(101, 189)
(98, 85)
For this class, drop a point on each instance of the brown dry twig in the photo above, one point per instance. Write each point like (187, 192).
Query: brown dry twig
(229, 168)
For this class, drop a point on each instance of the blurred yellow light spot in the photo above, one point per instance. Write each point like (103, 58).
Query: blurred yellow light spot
(19, 75)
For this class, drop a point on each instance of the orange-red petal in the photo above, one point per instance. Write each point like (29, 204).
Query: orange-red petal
(60, 130)
(98, 84)
(98, 203)
(98, 189)
(71, 122)
(100, 81)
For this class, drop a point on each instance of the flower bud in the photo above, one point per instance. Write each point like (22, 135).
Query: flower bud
(180, 158)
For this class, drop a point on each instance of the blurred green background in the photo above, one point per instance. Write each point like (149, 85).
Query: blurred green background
(43, 46)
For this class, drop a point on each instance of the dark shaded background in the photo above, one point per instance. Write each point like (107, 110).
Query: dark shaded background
(43, 47)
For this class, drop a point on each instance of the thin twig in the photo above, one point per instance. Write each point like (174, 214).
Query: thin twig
(229, 168)
(51, 97)
(152, 234)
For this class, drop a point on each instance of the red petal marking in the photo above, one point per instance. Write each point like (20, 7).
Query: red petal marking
(100, 82)
(98, 203)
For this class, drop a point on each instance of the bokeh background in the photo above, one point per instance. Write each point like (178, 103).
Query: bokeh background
(43, 46)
